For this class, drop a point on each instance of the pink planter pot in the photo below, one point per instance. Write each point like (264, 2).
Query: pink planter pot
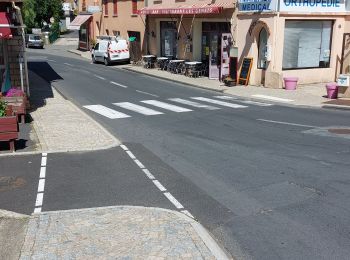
(290, 83)
(332, 90)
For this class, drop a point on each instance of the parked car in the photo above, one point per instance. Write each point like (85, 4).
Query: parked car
(33, 40)
(110, 49)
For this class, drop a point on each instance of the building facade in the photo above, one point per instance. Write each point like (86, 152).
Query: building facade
(298, 38)
(13, 65)
(112, 18)
(190, 30)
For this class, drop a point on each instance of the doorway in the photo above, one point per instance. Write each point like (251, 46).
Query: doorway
(135, 45)
(168, 39)
(345, 61)
(211, 45)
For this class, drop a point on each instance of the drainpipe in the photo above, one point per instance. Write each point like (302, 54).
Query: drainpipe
(19, 15)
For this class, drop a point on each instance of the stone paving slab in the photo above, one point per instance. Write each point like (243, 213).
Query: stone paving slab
(121, 232)
(61, 126)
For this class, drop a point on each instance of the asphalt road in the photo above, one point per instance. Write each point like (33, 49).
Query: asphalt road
(269, 182)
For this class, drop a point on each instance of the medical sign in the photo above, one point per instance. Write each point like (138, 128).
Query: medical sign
(307, 6)
(257, 5)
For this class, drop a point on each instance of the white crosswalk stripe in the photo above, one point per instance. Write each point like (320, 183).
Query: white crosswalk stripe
(218, 102)
(166, 106)
(192, 103)
(261, 104)
(225, 97)
(107, 112)
(138, 109)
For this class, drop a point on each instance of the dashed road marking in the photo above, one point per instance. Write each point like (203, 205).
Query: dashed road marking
(41, 184)
(286, 123)
(68, 64)
(118, 84)
(146, 93)
(157, 183)
(99, 77)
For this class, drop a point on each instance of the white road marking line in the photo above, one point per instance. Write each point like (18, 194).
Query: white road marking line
(107, 112)
(173, 200)
(39, 199)
(186, 212)
(226, 97)
(132, 156)
(52, 60)
(138, 109)
(118, 84)
(148, 174)
(43, 161)
(68, 64)
(159, 185)
(124, 147)
(44, 154)
(146, 93)
(37, 210)
(273, 98)
(286, 123)
(41, 185)
(139, 164)
(250, 102)
(166, 106)
(192, 103)
(42, 172)
(99, 77)
(218, 102)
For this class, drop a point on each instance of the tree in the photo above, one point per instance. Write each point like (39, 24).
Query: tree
(38, 12)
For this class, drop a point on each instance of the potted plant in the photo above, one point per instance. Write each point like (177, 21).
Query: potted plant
(8, 124)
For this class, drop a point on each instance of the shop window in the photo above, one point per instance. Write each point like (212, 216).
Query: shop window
(115, 7)
(105, 6)
(134, 7)
(307, 44)
(262, 49)
(168, 39)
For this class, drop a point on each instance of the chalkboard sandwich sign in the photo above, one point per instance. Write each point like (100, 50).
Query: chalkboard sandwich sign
(245, 71)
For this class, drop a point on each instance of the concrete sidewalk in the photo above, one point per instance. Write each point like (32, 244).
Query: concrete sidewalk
(312, 95)
(60, 125)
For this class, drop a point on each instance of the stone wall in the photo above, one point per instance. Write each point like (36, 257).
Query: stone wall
(14, 48)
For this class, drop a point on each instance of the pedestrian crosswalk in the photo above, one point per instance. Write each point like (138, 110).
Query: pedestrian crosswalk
(154, 107)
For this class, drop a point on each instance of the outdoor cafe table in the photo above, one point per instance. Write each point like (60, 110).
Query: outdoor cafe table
(191, 66)
(149, 61)
(161, 62)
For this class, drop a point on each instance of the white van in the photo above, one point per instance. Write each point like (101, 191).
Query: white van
(110, 49)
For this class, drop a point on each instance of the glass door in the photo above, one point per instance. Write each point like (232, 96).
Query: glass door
(168, 39)
(214, 71)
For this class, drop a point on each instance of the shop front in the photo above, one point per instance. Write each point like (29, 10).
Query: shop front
(286, 38)
(83, 23)
(191, 32)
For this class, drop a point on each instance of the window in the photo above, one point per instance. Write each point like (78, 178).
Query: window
(115, 7)
(307, 44)
(105, 5)
(83, 6)
(262, 49)
(134, 7)
(116, 33)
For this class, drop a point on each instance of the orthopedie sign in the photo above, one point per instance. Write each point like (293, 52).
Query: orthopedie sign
(307, 6)
(257, 5)
(244, 75)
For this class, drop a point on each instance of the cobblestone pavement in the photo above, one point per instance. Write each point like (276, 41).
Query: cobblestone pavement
(117, 233)
(61, 126)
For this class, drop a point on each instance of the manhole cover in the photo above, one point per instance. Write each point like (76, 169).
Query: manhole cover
(339, 131)
(9, 183)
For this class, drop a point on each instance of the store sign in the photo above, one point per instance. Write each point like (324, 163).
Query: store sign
(194, 10)
(93, 9)
(307, 6)
(257, 5)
